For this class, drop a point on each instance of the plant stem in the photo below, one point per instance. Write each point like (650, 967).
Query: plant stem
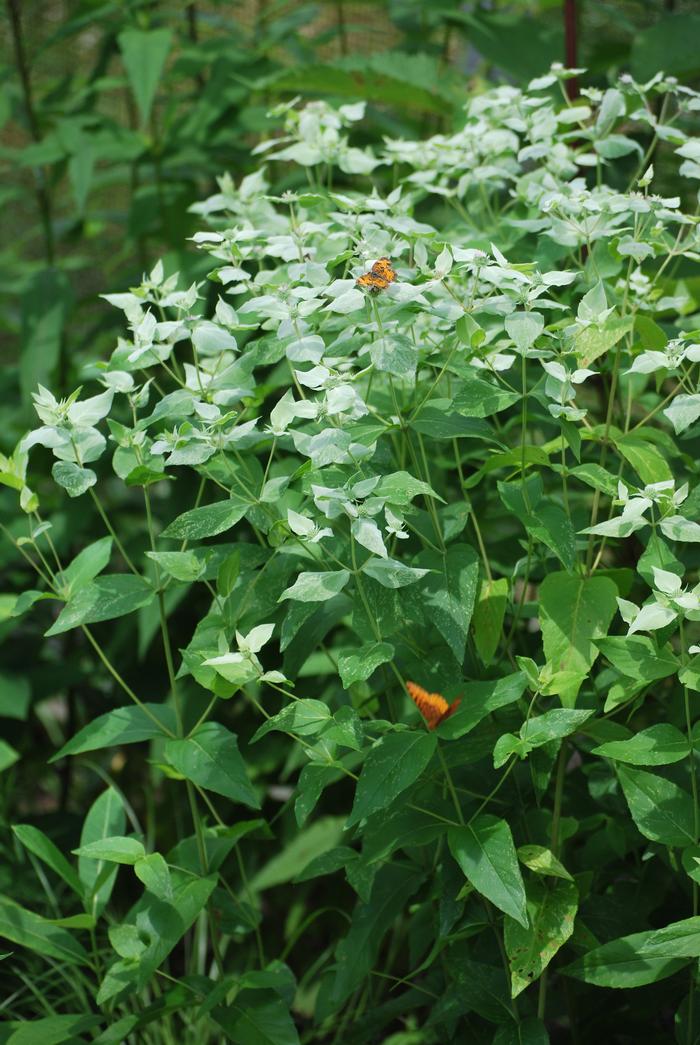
(554, 846)
(117, 677)
(112, 532)
(696, 827)
(41, 191)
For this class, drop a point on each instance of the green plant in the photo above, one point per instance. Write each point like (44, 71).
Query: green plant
(480, 478)
(117, 116)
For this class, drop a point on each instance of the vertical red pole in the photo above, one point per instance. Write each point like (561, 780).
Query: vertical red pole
(571, 46)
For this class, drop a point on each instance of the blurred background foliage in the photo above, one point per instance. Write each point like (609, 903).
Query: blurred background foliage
(116, 116)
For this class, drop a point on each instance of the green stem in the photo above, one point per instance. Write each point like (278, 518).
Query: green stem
(554, 843)
(112, 532)
(696, 831)
(120, 681)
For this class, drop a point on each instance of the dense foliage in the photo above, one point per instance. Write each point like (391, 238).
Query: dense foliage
(432, 418)
(115, 115)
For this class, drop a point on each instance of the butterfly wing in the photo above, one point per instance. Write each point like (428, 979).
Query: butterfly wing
(432, 706)
(379, 276)
(372, 282)
(451, 709)
(384, 270)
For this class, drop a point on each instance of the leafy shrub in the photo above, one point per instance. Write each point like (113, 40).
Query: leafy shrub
(421, 733)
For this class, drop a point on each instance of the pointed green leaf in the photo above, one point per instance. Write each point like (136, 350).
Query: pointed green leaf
(210, 758)
(207, 521)
(122, 726)
(38, 843)
(144, 52)
(656, 746)
(116, 849)
(105, 598)
(30, 930)
(392, 765)
(551, 909)
(358, 665)
(486, 853)
(106, 817)
(661, 810)
(447, 594)
(574, 611)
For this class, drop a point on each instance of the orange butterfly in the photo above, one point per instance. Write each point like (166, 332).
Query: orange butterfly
(379, 276)
(432, 706)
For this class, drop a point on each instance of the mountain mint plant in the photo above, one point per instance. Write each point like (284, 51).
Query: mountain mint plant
(430, 415)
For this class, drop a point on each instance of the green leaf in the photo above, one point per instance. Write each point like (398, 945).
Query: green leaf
(448, 593)
(393, 353)
(538, 731)
(612, 107)
(30, 930)
(485, 851)
(305, 717)
(638, 657)
(210, 758)
(207, 521)
(487, 620)
(328, 863)
(15, 696)
(552, 725)
(129, 725)
(656, 746)
(105, 818)
(116, 849)
(182, 566)
(479, 699)
(411, 81)
(87, 564)
(257, 1018)
(358, 665)
(8, 755)
(391, 573)
(312, 781)
(529, 1031)
(476, 397)
(40, 845)
(594, 341)
(542, 861)
(162, 925)
(52, 1030)
(74, 479)
(524, 328)
(316, 587)
(597, 477)
(153, 871)
(661, 810)
(574, 611)
(392, 765)
(228, 574)
(551, 909)
(657, 554)
(683, 411)
(106, 598)
(438, 420)
(400, 488)
(292, 858)
(357, 952)
(543, 519)
(642, 958)
(646, 459)
(144, 53)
